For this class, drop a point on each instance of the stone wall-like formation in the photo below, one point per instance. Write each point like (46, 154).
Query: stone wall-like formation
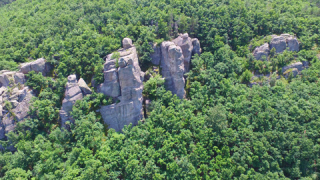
(174, 58)
(123, 80)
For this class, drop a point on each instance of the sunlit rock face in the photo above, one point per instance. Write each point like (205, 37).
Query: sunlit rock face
(123, 80)
(174, 58)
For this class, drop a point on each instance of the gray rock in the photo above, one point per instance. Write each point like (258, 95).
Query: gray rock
(294, 72)
(156, 55)
(196, 46)
(284, 41)
(305, 64)
(172, 64)
(279, 43)
(18, 113)
(1, 109)
(72, 94)
(116, 116)
(19, 78)
(10, 78)
(185, 43)
(84, 87)
(297, 65)
(261, 51)
(110, 86)
(125, 84)
(39, 65)
(293, 44)
(127, 43)
(122, 63)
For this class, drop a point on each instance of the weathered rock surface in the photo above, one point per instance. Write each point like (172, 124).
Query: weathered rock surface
(84, 87)
(10, 78)
(298, 65)
(284, 41)
(174, 57)
(39, 65)
(72, 94)
(125, 84)
(127, 43)
(156, 55)
(172, 64)
(261, 51)
(280, 43)
(14, 101)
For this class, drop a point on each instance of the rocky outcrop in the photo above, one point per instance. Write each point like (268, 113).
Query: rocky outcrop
(123, 81)
(10, 78)
(174, 57)
(280, 43)
(156, 55)
(298, 65)
(261, 51)
(39, 65)
(172, 64)
(84, 87)
(14, 101)
(72, 94)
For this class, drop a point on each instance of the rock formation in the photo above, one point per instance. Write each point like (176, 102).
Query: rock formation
(73, 93)
(174, 58)
(172, 64)
(14, 101)
(39, 65)
(123, 81)
(261, 51)
(280, 43)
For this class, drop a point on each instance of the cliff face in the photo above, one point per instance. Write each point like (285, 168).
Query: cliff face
(123, 81)
(174, 58)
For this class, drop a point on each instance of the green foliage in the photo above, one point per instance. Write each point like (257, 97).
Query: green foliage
(223, 130)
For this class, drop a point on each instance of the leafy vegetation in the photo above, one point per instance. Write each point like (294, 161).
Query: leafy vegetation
(222, 130)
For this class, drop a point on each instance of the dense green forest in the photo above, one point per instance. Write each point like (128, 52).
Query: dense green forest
(224, 129)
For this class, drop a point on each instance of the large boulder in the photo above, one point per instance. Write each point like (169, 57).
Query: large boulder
(261, 51)
(39, 65)
(127, 43)
(284, 41)
(72, 94)
(172, 64)
(125, 83)
(84, 87)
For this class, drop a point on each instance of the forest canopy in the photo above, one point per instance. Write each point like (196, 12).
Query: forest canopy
(224, 128)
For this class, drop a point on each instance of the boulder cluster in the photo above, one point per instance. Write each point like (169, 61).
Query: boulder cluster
(174, 58)
(280, 43)
(15, 96)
